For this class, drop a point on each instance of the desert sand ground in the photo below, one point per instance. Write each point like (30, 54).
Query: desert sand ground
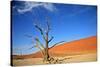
(83, 50)
(88, 57)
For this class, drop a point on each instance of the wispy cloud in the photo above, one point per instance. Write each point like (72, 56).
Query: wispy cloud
(29, 6)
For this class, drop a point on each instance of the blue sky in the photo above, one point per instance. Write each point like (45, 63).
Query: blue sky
(68, 22)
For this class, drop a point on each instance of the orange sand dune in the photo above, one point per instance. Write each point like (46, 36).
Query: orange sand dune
(79, 46)
(86, 45)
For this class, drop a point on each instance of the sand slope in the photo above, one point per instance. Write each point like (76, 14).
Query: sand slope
(77, 51)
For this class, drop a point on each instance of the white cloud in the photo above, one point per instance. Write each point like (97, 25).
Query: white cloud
(28, 6)
(49, 6)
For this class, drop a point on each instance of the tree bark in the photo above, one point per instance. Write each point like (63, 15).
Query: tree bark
(46, 49)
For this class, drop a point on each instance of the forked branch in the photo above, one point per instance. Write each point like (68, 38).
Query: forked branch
(41, 31)
(37, 46)
(40, 43)
(50, 39)
(56, 44)
(41, 50)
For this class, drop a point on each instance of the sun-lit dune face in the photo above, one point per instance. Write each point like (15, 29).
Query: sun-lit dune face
(82, 46)
(86, 45)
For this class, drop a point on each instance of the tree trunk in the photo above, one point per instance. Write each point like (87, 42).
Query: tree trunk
(46, 54)
(46, 58)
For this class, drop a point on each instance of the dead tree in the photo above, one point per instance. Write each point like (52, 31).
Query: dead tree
(44, 49)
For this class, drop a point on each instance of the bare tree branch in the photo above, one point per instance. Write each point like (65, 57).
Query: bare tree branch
(29, 36)
(32, 47)
(41, 50)
(48, 25)
(37, 40)
(37, 46)
(56, 44)
(41, 31)
(39, 43)
(50, 39)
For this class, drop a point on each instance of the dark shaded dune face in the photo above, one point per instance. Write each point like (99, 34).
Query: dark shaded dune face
(86, 45)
